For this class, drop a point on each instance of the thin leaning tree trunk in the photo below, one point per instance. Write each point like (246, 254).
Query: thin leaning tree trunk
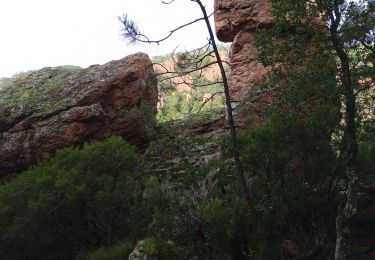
(236, 157)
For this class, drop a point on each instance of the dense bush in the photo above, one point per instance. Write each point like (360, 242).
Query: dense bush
(86, 200)
(75, 201)
(208, 217)
(291, 164)
(153, 248)
(366, 149)
(116, 252)
(87, 203)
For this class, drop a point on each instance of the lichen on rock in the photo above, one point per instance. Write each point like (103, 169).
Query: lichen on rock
(45, 110)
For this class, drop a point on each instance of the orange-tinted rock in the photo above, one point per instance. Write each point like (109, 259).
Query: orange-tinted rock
(42, 111)
(234, 16)
(246, 69)
(237, 21)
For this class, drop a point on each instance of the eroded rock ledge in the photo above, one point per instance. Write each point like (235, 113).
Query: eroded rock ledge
(45, 110)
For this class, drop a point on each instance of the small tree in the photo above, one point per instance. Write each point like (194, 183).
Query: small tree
(345, 31)
(195, 63)
(351, 27)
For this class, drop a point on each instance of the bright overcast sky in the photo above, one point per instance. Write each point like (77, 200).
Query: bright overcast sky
(41, 33)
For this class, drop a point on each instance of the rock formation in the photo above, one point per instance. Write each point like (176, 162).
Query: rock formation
(237, 21)
(42, 111)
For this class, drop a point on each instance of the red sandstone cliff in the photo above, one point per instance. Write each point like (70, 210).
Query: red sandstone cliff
(42, 111)
(237, 21)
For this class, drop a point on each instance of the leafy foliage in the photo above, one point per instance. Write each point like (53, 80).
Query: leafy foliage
(366, 149)
(115, 252)
(75, 201)
(160, 249)
(291, 163)
(179, 105)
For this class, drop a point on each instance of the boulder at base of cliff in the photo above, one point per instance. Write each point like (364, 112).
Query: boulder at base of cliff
(45, 110)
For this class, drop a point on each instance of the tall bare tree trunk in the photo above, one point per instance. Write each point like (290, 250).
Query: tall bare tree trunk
(348, 199)
(236, 157)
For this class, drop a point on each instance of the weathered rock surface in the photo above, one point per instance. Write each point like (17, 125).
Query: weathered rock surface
(235, 16)
(237, 21)
(42, 111)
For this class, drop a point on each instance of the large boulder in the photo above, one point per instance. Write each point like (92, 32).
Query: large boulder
(45, 110)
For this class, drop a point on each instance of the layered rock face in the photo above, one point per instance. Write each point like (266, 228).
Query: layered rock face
(42, 111)
(237, 21)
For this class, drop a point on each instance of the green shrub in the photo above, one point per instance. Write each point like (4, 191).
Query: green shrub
(160, 249)
(117, 252)
(366, 149)
(77, 200)
(366, 155)
(291, 164)
(214, 211)
(155, 214)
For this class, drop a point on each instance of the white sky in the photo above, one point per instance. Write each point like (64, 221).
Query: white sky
(41, 33)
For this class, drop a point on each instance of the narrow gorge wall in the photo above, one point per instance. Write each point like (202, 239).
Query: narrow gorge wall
(45, 110)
